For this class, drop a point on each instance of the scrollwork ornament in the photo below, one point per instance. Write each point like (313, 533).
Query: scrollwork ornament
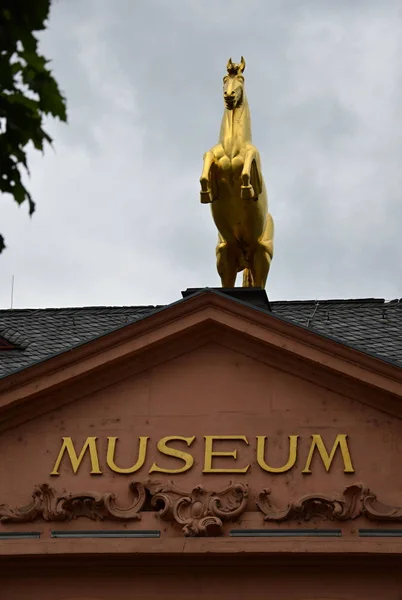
(199, 512)
(375, 510)
(50, 505)
(343, 508)
(355, 501)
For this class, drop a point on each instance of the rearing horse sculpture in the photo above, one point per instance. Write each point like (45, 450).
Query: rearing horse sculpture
(232, 182)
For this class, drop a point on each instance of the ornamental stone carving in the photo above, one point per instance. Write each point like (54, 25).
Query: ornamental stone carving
(356, 500)
(49, 505)
(199, 513)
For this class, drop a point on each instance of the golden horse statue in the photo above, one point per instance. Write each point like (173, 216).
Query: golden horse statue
(232, 182)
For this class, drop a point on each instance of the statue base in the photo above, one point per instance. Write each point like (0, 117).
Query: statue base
(249, 295)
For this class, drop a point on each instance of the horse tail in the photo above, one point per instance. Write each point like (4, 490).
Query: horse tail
(248, 278)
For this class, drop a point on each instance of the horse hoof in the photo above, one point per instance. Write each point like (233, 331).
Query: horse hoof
(206, 197)
(247, 192)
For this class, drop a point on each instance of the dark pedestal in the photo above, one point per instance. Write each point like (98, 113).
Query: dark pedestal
(255, 296)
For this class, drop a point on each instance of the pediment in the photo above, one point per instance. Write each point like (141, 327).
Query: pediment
(207, 419)
(242, 432)
(179, 329)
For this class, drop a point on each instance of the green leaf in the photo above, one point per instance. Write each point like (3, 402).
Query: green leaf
(19, 98)
(29, 41)
(28, 92)
(34, 60)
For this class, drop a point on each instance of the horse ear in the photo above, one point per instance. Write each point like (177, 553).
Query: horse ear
(229, 65)
(242, 64)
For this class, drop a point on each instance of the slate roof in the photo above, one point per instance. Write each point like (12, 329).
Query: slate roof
(373, 326)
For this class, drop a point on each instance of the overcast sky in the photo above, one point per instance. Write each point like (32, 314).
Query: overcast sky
(118, 219)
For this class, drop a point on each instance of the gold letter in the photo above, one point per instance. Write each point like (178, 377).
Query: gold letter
(76, 460)
(209, 453)
(291, 460)
(328, 458)
(185, 456)
(111, 449)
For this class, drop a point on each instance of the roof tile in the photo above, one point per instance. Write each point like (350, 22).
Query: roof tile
(370, 325)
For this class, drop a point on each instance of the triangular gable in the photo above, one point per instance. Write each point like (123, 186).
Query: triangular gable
(189, 323)
(209, 402)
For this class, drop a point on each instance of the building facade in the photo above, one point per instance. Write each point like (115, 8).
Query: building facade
(218, 447)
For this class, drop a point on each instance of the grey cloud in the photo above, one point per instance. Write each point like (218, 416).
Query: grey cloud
(118, 215)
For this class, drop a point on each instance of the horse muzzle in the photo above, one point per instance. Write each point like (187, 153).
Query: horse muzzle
(230, 100)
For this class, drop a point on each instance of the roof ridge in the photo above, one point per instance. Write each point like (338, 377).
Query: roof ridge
(156, 306)
(336, 301)
(99, 307)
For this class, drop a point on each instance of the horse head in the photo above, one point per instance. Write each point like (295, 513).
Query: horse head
(233, 84)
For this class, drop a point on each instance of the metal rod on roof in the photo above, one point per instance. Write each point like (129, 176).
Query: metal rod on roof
(12, 291)
(311, 317)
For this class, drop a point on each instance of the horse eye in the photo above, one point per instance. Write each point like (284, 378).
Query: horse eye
(240, 78)
(225, 79)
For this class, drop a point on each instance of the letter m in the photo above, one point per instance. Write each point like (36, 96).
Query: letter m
(68, 446)
(341, 441)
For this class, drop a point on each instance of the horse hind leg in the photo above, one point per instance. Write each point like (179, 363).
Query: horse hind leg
(226, 263)
(263, 254)
(261, 264)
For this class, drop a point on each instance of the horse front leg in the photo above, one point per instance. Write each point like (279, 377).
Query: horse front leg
(205, 194)
(247, 190)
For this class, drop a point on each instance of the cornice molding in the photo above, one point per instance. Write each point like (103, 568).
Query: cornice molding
(191, 323)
